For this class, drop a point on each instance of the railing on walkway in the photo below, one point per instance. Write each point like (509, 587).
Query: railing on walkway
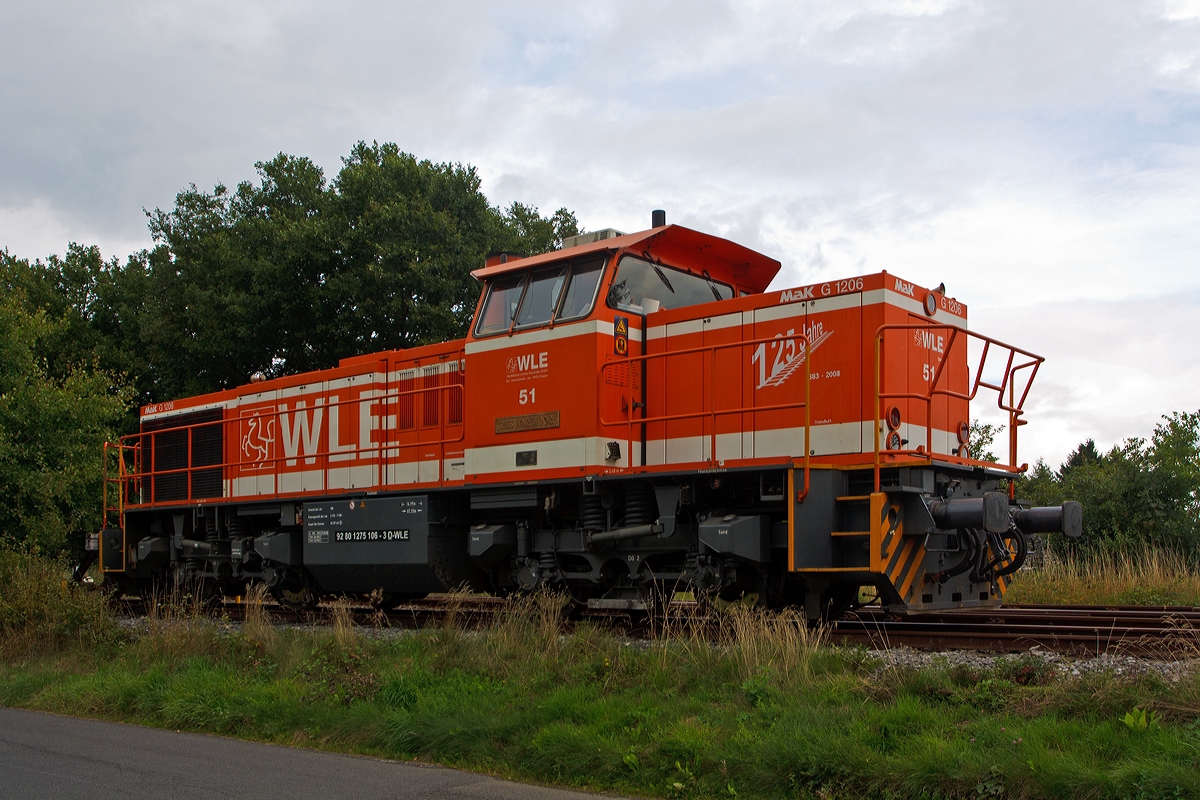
(1014, 406)
(708, 355)
(116, 469)
(138, 476)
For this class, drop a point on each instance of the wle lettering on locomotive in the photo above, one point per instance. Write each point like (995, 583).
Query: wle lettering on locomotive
(630, 416)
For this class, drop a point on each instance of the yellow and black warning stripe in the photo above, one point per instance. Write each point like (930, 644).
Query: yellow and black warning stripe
(900, 558)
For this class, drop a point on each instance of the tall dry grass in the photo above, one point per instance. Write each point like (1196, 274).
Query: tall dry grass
(257, 626)
(345, 632)
(743, 639)
(176, 626)
(42, 610)
(747, 641)
(758, 639)
(1147, 576)
(531, 629)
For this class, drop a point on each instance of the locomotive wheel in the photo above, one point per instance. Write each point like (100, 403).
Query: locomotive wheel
(296, 597)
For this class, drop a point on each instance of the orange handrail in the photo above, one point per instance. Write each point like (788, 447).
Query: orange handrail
(714, 412)
(114, 488)
(133, 482)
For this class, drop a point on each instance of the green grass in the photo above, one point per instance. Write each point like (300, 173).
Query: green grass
(771, 711)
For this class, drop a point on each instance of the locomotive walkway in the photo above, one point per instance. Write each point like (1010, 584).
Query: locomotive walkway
(45, 756)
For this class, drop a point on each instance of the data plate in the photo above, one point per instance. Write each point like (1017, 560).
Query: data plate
(372, 530)
(371, 536)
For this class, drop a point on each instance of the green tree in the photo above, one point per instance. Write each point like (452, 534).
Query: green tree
(1138, 493)
(94, 305)
(295, 273)
(52, 430)
(982, 436)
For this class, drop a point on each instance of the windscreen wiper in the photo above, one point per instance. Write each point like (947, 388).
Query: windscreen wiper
(663, 278)
(712, 286)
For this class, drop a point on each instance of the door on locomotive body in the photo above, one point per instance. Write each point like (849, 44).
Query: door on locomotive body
(675, 387)
(689, 385)
(679, 384)
(424, 420)
(774, 374)
(534, 344)
(724, 333)
(353, 445)
(833, 336)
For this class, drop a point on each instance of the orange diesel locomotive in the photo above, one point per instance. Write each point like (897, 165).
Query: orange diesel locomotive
(628, 416)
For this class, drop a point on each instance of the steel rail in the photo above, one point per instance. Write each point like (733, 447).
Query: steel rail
(1079, 630)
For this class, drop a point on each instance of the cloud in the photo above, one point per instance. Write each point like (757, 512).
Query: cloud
(1113, 368)
(1039, 157)
(33, 228)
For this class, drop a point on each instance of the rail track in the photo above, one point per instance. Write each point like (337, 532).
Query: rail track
(1158, 631)
(1153, 631)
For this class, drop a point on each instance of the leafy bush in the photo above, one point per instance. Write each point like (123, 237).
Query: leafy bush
(52, 431)
(42, 609)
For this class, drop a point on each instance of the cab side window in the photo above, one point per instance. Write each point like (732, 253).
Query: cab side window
(522, 300)
(504, 295)
(581, 291)
(541, 297)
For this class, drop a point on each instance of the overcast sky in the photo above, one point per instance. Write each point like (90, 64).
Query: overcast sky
(1041, 158)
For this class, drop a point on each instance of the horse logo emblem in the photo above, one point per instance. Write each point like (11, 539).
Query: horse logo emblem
(258, 441)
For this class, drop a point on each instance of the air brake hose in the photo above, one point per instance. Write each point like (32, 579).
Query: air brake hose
(967, 538)
(1021, 554)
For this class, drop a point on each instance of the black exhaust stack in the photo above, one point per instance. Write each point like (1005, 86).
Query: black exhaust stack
(658, 218)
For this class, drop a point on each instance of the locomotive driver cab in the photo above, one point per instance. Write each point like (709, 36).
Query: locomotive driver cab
(643, 287)
(546, 326)
(534, 298)
(659, 269)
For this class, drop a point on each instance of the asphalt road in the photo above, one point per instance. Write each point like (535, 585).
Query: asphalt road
(45, 756)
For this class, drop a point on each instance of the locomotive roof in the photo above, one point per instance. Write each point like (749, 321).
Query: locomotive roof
(674, 245)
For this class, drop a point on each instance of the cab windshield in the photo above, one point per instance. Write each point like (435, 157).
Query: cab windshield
(529, 299)
(643, 287)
